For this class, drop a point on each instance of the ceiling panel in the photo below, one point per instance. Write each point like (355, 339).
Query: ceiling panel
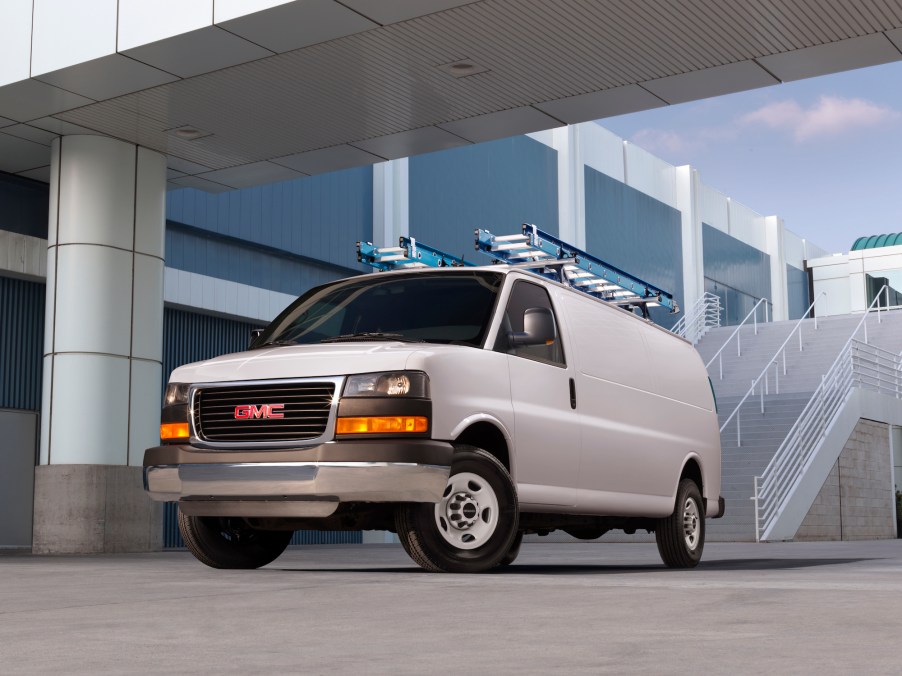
(869, 50)
(38, 174)
(501, 124)
(298, 24)
(328, 159)
(413, 142)
(30, 99)
(107, 77)
(199, 184)
(30, 133)
(607, 103)
(346, 82)
(735, 77)
(17, 154)
(59, 127)
(249, 175)
(197, 52)
(392, 11)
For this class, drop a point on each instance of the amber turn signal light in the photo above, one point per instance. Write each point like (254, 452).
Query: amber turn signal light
(392, 424)
(173, 431)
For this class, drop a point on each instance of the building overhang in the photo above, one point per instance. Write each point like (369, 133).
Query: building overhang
(247, 92)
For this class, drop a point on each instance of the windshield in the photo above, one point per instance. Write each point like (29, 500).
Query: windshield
(422, 307)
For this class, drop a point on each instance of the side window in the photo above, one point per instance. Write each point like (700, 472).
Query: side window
(523, 296)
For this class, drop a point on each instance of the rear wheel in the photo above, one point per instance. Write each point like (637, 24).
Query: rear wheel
(473, 527)
(681, 536)
(230, 542)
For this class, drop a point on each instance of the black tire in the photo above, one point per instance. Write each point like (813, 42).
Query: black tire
(230, 543)
(473, 527)
(681, 536)
(514, 551)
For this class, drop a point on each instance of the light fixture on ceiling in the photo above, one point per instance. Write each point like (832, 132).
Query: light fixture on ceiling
(463, 68)
(188, 133)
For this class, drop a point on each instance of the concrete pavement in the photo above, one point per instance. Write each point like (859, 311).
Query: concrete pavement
(794, 608)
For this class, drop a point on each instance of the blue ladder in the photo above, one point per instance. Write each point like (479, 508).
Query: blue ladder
(408, 254)
(557, 260)
(536, 250)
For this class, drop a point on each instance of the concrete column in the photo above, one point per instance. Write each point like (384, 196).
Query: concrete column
(773, 226)
(102, 347)
(691, 228)
(571, 185)
(391, 202)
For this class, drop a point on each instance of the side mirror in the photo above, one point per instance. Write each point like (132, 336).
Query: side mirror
(538, 328)
(255, 333)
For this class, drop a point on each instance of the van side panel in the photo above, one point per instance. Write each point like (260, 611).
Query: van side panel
(635, 437)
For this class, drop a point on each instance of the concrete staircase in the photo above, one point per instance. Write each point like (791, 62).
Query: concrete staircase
(762, 434)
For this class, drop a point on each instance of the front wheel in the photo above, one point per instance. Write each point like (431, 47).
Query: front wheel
(229, 542)
(473, 527)
(681, 536)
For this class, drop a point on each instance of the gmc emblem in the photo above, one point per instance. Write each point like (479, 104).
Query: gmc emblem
(249, 411)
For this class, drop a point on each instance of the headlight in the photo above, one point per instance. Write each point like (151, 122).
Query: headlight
(393, 384)
(176, 393)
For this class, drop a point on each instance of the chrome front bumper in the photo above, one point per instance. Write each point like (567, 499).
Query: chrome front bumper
(301, 489)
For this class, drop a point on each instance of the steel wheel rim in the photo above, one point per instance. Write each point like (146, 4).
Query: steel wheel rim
(691, 524)
(467, 515)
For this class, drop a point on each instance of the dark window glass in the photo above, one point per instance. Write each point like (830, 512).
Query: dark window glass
(452, 307)
(524, 296)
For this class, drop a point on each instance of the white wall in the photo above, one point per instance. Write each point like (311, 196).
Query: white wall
(831, 275)
(652, 175)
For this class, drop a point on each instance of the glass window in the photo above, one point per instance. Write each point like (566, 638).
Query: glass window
(526, 295)
(450, 307)
(893, 281)
(735, 305)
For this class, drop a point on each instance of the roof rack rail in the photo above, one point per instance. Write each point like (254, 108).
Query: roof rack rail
(408, 254)
(537, 250)
(555, 259)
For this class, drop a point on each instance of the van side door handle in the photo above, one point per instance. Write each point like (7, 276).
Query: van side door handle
(572, 393)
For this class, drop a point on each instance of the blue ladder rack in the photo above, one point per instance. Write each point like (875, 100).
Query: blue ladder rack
(553, 258)
(408, 254)
(534, 249)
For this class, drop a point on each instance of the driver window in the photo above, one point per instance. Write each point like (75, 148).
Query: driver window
(526, 295)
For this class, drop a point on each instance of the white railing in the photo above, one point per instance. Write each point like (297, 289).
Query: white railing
(753, 315)
(857, 365)
(764, 388)
(695, 322)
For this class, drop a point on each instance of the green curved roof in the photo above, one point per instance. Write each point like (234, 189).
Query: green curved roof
(877, 241)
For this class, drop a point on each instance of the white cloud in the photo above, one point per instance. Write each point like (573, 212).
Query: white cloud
(661, 141)
(828, 117)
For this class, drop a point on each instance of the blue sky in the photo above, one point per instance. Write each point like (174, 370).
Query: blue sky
(823, 153)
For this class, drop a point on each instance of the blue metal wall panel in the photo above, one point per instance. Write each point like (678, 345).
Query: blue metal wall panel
(194, 252)
(797, 291)
(637, 233)
(21, 343)
(321, 217)
(497, 186)
(24, 205)
(735, 271)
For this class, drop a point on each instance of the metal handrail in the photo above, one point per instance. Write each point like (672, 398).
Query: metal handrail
(695, 322)
(754, 314)
(801, 443)
(764, 371)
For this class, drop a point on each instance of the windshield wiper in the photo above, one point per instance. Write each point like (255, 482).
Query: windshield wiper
(370, 336)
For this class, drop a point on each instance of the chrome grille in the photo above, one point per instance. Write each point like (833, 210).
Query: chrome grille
(305, 408)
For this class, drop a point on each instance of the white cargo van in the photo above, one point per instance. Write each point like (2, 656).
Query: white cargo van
(460, 408)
